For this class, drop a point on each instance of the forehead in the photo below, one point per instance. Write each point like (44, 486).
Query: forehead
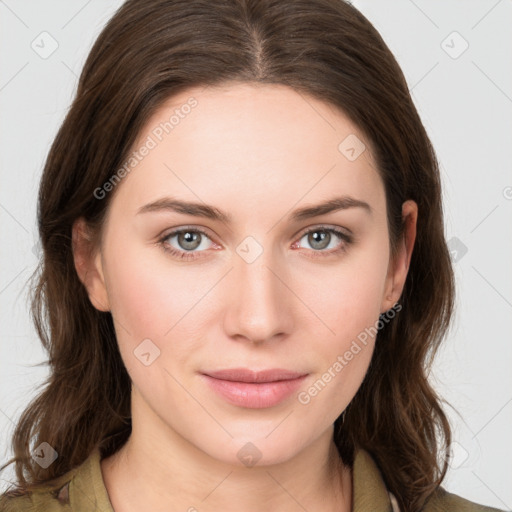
(257, 143)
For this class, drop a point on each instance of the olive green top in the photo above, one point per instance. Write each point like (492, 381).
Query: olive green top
(83, 489)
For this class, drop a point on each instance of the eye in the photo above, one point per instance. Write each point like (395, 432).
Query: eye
(322, 237)
(187, 240)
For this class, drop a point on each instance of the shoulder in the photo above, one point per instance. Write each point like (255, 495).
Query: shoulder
(442, 500)
(46, 500)
(49, 497)
(81, 488)
(370, 492)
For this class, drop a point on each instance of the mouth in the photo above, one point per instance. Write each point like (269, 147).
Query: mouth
(255, 376)
(254, 389)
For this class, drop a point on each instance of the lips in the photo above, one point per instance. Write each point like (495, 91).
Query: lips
(247, 375)
(254, 389)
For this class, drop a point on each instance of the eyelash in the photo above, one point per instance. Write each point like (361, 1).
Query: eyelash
(188, 255)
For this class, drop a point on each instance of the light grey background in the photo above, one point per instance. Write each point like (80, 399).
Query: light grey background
(464, 96)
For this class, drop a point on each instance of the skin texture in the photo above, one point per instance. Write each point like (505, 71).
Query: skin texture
(257, 153)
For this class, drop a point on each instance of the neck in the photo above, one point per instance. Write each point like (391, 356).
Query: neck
(163, 471)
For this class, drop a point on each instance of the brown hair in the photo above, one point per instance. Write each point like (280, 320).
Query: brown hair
(153, 49)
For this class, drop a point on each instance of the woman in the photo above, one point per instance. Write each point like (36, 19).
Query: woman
(245, 272)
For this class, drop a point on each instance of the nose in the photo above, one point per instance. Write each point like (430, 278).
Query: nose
(260, 302)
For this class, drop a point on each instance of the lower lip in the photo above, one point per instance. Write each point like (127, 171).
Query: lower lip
(252, 395)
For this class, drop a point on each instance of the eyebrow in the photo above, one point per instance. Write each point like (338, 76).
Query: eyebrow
(211, 212)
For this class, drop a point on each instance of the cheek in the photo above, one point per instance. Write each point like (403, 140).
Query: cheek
(150, 299)
(347, 296)
(343, 357)
(349, 306)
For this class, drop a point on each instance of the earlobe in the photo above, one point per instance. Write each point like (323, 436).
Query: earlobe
(399, 268)
(88, 265)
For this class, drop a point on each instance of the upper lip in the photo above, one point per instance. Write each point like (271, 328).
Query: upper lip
(247, 375)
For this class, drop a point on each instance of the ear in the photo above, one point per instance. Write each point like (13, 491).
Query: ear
(88, 265)
(399, 267)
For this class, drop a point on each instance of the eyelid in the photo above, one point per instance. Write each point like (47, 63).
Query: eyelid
(175, 231)
(326, 227)
(299, 234)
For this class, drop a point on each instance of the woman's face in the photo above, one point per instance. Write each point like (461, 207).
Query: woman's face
(247, 288)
